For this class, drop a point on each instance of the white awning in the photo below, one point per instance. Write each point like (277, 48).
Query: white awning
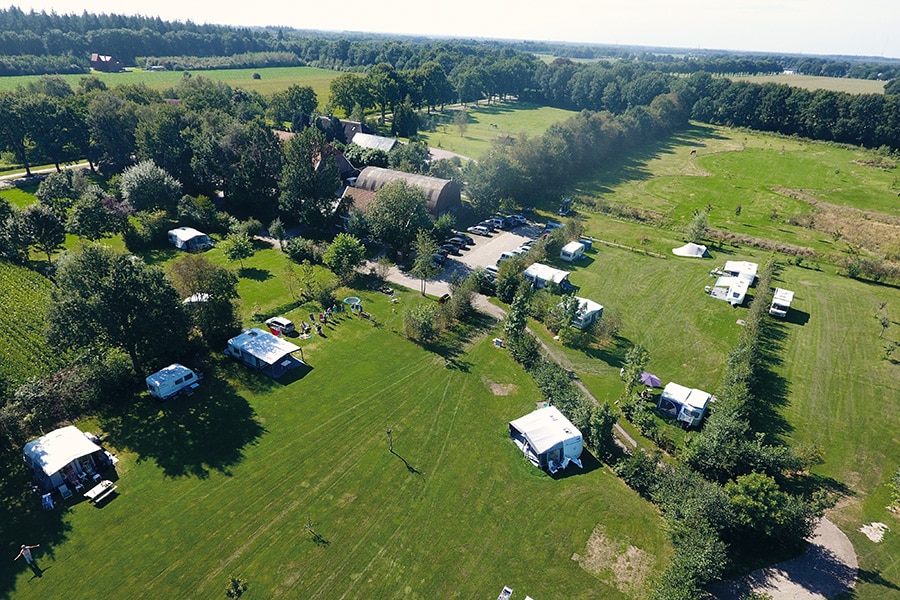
(58, 448)
(262, 345)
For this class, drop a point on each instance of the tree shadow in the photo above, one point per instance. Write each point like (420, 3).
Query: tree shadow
(770, 389)
(254, 273)
(24, 521)
(186, 436)
(452, 343)
(613, 353)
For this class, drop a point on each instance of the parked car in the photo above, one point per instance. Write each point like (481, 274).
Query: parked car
(465, 237)
(489, 225)
(518, 220)
(451, 249)
(438, 258)
(280, 325)
(492, 270)
(460, 241)
(504, 256)
(499, 222)
(479, 230)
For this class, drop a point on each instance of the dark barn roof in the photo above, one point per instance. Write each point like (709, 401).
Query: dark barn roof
(441, 195)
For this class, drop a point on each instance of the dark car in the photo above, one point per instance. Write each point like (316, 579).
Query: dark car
(450, 249)
(465, 237)
(459, 241)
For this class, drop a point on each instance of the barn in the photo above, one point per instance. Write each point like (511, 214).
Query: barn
(441, 195)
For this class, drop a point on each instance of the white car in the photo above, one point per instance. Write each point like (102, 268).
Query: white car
(280, 324)
(479, 230)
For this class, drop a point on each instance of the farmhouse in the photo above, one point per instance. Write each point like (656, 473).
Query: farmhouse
(263, 351)
(781, 303)
(172, 380)
(441, 195)
(188, 238)
(588, 312)
(547, 438)
(572, 251)
(687, 405)
(540, 275)
(737, 277)
(64, 457)
(107, 64)
(374, 142)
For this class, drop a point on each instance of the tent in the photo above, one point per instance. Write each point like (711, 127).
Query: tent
(168, 382)
(541, 275)
(650, 380)
(188, 238)
(547, 438)
(263, 351)
(691, 250)
(61, 456)
(687, 405)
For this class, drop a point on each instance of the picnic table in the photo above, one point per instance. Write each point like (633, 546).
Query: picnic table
(100, 491)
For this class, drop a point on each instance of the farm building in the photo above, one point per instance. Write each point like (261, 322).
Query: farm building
(781, 303)
(374, 142)
(540, 275)
(736, 279)
(588, 312)
(547, 438)
(107, 64)
(264, 352)
(441, 195)
(687, 405)
(170, 381)
(572, 251)
(64, 457)
(189, 239)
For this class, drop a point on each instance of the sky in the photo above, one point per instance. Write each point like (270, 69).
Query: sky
(834, 27)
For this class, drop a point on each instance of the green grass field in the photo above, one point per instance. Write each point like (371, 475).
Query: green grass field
(226, 481)
(815, 82)
(515, 119)
(271, 80)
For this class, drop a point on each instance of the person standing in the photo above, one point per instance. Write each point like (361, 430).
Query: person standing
(25, 552)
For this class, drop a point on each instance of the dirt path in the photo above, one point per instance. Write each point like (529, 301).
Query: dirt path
(827, 569)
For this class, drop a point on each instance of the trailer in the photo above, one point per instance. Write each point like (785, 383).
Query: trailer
(781, 303)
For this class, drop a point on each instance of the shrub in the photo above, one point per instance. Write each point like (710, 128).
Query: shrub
(419, 321)
(301, 249)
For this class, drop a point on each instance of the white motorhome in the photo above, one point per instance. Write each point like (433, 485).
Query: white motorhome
(572, 251)
(540, 275)
(171, 381)
(588, 312)
(188, 238)
(781, 303)
(687, 405)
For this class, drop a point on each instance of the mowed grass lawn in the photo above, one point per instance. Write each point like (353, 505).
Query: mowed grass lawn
(271, 80)
(815, 82)
(225, 482)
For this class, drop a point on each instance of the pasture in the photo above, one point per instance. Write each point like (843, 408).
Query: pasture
(292, 486)
(271, 80)
(815, 82)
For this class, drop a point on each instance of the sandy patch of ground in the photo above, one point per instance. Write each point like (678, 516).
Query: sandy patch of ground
(624, 566)
(500, 389)
(875, 531)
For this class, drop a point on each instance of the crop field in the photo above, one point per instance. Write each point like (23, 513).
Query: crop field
(815, 82)
(24, 296)
(271, 80)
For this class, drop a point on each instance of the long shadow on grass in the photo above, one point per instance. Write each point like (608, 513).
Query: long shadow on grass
(452, 344)
(186, 436)
(589, 463)
(770, 389)
(254, 273)
(24, 521)
(613, 353)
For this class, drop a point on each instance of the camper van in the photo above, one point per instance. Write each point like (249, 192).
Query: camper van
(171, 381)
(572, 251)
(781, 303)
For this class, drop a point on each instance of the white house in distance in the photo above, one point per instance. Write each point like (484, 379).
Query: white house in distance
(263, 351)
(738, 276)
(572, 251)
(781, 303)
(588, 312)
(63, 456)
(547, 438)
(168, 382)
(687, 405)
(188, 238)
(540, 275)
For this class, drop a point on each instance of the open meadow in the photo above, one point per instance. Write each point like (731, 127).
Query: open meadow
(271, 80)
(815, 82)
(292, 486)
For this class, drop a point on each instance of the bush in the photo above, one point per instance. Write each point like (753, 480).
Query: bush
(301, 249)
(639, 471)
(419, 321)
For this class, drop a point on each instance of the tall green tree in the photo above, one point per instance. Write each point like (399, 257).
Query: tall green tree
(397, 215)
(147, 186)
(111, 121)
(309, 179)
(215, 309)
(386, 86)
(237, 247)
(349, 90)
(104, 300)
(285, 104)
(44, 230)
(344, 255)
(424, 266)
